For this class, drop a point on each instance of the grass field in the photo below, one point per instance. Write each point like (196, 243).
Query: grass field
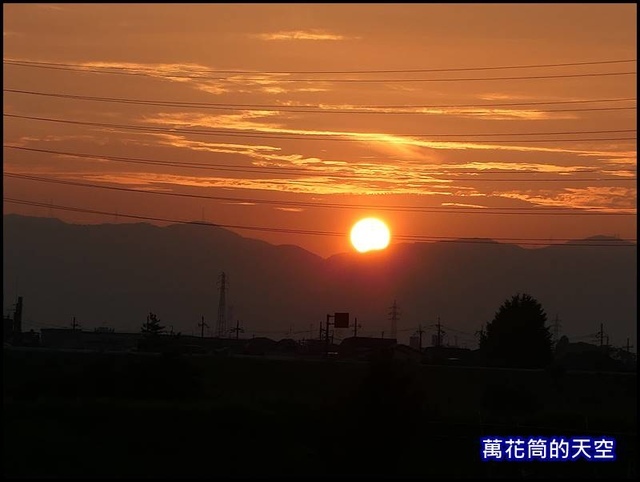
(93, 414)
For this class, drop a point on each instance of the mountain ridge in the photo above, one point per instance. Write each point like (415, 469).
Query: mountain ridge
(115, 274)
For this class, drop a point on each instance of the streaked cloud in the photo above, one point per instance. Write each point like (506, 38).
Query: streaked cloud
(201, 77)
(314, 34)
(505, 96)
(50, 6)
(290, 210)
(489, 113)
(387, 142)
(601, 198)
(462, 205)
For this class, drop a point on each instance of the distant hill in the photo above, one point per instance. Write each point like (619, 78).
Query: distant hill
(114, 274)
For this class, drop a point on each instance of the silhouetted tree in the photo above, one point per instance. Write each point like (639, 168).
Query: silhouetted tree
(152, 326)
(517, 336)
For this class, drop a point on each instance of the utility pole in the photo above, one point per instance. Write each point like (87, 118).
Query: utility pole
(440, 333)
(221, 324)
(202, 324)
(237, 329)
(17, 316)
(326, 336)
(394, 314)
(600, 335)
(355, 328)
(420, 332)
(74, 324)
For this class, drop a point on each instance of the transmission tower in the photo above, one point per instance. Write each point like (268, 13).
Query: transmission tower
(221, 324)
(395, 315)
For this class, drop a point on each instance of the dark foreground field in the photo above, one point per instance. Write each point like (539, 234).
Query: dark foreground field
(92, 414)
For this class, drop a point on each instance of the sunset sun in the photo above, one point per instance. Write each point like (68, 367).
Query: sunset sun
(370, 234)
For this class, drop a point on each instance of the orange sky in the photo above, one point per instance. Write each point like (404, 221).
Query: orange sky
(293, 134)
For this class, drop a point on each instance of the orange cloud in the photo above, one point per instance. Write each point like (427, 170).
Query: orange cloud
(600, 198)
(247, 121)
(290, 210)
(300, 35)
(462, 205)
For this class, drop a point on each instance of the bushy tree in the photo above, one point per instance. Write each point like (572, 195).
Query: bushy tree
(518, 336)
(152, 326)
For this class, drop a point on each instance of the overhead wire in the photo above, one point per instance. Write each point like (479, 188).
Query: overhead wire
(317, 109)
(434, 177)
(414, 135)
(376, 71)
(352, 136)
(441, 209)
(493, 241)
(156, 73)
(287, 170)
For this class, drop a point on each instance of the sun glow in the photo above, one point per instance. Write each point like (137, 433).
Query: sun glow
(370, 234)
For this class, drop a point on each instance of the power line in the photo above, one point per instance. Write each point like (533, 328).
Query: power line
(440, 209)
(353, 137)
(316, 109)
(284, 170)
(387, 71)
(529, 241)
(191, 165)
(483, 134)
(346, 176)
(169, 75)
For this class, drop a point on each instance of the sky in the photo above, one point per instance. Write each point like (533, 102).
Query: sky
(290, 122)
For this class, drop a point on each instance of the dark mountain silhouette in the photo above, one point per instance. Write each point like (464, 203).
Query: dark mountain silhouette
(115, 274)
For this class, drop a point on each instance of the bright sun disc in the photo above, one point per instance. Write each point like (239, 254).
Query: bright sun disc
(370, 234)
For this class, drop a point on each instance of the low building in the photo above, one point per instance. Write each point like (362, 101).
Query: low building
(586, 356)
(7, 330)
(101, 339)
(361, 348)
(317, 348)
(260, 346)
(406, 353)
(287, 346)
